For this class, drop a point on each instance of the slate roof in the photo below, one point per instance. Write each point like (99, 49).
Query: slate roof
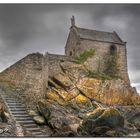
(99, 35)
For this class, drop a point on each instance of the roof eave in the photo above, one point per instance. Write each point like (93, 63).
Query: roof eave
(123, 43)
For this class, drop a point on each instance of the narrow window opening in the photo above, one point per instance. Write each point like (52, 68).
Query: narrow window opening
(70, 53)
(113, 49)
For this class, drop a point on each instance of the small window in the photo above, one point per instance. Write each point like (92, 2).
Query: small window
(113, 49)
(70, 53)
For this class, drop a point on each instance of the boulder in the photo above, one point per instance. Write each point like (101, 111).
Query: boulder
(54, 94)
(74, 70)
(3, 115)
(39, 120)
(111, 92)
(136, 120)
(83, 102)
(100, 131)
(63, 80)
(116, 133)
(32, 113)
(59, 118)
(109, 117)
(44, 108)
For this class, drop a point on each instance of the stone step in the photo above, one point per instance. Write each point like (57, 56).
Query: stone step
(21, 115)
(2, 94)
(14, 106)
(25, 121)
(12, 101)
(6, 96)
(17, 109)
(42, 136)
(19, 112)
(15, 103)
(30, 125)
(9, 98)
(37, 133)
(33, 129)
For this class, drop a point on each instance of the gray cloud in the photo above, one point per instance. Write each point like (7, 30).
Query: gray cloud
(26, 28)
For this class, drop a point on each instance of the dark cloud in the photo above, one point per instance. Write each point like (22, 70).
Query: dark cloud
(26, 28)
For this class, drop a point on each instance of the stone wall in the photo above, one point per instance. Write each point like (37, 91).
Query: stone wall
(29, 74)
(71, 43)
(32, 73)
(102, 52)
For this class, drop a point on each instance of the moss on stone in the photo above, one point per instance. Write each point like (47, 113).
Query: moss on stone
(95, 114)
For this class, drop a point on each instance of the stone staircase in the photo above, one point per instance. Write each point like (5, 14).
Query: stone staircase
(18, 112)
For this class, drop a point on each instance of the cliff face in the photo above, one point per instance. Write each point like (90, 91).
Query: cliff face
(74, 80)
(78, 105)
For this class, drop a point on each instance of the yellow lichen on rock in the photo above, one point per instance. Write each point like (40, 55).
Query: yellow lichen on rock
(53, 95)
(83, 101)
(68, 95)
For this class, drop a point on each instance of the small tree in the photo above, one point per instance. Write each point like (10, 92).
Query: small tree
(85, 55)
(111, 66)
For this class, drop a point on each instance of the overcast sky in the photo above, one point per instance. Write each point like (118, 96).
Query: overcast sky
(44, 28)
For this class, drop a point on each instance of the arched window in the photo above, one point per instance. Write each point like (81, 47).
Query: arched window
(70, 53)
(113, 49)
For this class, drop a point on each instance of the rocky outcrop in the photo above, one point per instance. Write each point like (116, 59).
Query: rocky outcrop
(74, 78)
(78, 105)
(112, 92)
(7, 124)
(102, 120)
(61, 119)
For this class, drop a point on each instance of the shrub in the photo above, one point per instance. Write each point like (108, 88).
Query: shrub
(111, 66)
(101, 75)
(85, 55)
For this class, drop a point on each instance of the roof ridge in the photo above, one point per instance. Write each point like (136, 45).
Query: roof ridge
(94, 30)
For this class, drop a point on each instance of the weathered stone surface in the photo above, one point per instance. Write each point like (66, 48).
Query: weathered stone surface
(44, 108)
(116, 133)
(4, 116)
(72, 103)
(74, 70)
(76, 45)
(32, 113)
(102, 117)
(83, 102)
(58, 117)
(63, 80)
(100, 131)
(112, 92)
(39, 120)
